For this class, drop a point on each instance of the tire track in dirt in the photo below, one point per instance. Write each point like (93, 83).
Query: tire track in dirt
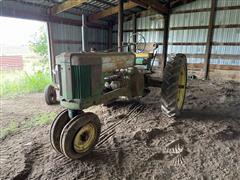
(30, 156)
(135, 110)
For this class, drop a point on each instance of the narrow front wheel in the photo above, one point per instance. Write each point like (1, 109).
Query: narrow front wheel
(80, 135)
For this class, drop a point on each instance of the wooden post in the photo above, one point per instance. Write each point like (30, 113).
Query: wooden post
(165, 40)
(209, 39)
(120, 25)
(134, 21)
(110, 30)
(51, 50)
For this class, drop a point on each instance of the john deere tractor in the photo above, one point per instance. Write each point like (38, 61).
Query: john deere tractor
(87, 79)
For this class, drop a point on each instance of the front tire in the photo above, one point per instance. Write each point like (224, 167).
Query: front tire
(56, 129)
(80, 135)
(174, 86)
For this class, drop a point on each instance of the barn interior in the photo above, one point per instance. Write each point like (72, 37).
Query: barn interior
(140, 141)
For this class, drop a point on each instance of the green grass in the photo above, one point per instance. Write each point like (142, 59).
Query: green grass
(40, 119)
(15, 83)
(10, 129)
(37, 120)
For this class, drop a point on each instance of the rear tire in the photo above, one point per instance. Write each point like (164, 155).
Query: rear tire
(50, 95)
(174, 85)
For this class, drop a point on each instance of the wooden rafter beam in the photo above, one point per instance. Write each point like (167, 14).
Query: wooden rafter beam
(111, 11)
(66, 6)
(106, 2)
(153, 4)
(177, 3)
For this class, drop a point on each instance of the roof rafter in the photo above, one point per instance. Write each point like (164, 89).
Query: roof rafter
(177, 3)
(111, 11)
(153, 4)
(106, 2)
(66, 6)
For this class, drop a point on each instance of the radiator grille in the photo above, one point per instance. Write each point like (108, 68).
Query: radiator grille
(81, 81)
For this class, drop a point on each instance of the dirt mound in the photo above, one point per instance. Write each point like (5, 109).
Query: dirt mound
(137, 140)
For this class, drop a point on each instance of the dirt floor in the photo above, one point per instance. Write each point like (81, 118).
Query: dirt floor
(138, 141)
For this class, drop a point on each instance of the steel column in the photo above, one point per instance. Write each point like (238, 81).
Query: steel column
(165, 40)
(51, 50)
(209, 39)
(83, 33)
(120, 25)
(134, 21)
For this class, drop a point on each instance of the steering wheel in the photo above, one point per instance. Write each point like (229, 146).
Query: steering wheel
(140, 42)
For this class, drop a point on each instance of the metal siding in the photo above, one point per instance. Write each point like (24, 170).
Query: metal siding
(23, 7)
(98, 36)
(227, 17)
(149, 22)
(189, 35)
(66, 32)
(231, 50)
(199, 4)
(224, 3)
(189, 19)
(192, 35)
(186, 49)
(223, 17)
(226, 35)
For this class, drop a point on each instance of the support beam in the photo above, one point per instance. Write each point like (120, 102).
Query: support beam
(51, 50)
(106, 2)
(66, 6)
(165, 40)
(177, 3)
(120, 25)
(153, 4)
(134, 21)
(110, 11)
(24, 14)
(209, 39)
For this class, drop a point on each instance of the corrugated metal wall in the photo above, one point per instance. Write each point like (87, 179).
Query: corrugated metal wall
(147, 26)
(189, 29)
(195, 37)
(68, 38)
(227, 35)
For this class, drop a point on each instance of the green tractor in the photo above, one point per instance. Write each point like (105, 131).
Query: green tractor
(87, 79)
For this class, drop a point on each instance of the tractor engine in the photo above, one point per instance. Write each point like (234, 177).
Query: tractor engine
(87, 79)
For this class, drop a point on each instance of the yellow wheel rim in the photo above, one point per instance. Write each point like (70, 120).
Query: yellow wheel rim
(181, 87)
(85, 138)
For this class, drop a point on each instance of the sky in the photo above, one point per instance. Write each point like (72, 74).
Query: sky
(17, 31)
